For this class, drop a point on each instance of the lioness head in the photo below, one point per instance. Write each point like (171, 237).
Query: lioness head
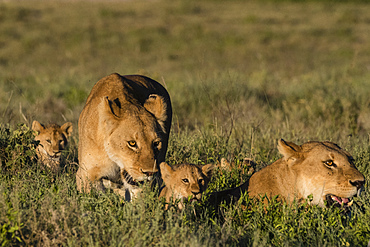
(185, 181)
(134, 137)
(320, 169)
(52, 141)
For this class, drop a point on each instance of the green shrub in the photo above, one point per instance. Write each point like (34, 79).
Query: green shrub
(17, 148)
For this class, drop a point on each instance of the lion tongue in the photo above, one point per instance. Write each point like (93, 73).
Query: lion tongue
(340, 200)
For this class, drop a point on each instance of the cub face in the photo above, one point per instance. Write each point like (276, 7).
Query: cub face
(185, 181)
(52, 141)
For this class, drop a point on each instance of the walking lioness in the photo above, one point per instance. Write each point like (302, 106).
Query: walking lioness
(123, 132)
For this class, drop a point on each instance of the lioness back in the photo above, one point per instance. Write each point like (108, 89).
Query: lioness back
(123, 132)
(52, 141)
(185, 181)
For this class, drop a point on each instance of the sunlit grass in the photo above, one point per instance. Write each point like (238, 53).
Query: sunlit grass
(241, 75)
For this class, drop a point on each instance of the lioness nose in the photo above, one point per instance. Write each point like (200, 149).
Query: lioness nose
(195, 192)
(357, 183)
(149, 174)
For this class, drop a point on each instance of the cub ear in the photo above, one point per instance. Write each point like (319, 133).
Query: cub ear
(36, 126)
(208, 170)
(156, 105)
(288, 149)
(166, 171)
(67, 128)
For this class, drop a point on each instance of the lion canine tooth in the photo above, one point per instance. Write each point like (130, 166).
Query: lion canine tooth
(359, 191)
(350, 203)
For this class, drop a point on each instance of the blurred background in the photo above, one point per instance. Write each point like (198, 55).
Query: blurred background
(293, 69)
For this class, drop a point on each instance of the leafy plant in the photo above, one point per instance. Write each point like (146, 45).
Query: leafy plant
(17, 148)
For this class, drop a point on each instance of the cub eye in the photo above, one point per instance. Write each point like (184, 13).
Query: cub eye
(330, 163)
(132, 143)
(201, 180)
(48, 141)
(185, 180)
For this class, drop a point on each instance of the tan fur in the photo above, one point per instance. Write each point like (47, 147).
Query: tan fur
(52, 141)
(303, 171)
(300, 173)
(185, 181)
(123, 131)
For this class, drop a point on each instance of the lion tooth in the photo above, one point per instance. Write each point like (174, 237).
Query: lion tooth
(350, 203)
(359, 191)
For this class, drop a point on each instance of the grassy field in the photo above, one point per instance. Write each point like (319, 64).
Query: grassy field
(241, 75)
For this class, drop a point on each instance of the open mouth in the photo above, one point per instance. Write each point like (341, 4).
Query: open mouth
(193, 199)
(130, 180)
(337, 201)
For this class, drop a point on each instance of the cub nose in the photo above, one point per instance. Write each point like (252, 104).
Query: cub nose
(358, 183)
(195, 193)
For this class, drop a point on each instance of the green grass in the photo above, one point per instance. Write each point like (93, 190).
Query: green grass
(241, 75)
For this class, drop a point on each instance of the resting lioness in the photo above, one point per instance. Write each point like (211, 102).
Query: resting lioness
(320, 169)
(123, 132)
(52, 141)
(185, 181)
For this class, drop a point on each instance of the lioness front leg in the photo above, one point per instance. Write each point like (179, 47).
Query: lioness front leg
(87, 179)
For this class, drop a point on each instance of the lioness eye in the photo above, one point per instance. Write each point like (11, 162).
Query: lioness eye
(330, 163)
(200, 181)
(156, 143)
(185, 180)
(48, 141)
(132, 143)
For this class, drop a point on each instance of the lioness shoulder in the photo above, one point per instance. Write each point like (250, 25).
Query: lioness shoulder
(53, 139)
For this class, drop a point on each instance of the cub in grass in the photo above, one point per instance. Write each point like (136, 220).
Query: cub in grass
(184, 181)
(123, 133)
(53, 139)
(320, 169)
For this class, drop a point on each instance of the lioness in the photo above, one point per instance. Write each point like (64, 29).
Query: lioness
(123, 131)
(320, 169)
(185, 181)
(52, 141)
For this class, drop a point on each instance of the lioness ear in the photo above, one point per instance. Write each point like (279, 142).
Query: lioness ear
(107, 116)
(36, 126)
(67, 128)
(156, 105)
(166, 171)
(288, 149)
(113, 106)
(208, 170)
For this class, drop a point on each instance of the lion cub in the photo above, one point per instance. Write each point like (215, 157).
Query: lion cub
(184, 181)
(53, 140)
